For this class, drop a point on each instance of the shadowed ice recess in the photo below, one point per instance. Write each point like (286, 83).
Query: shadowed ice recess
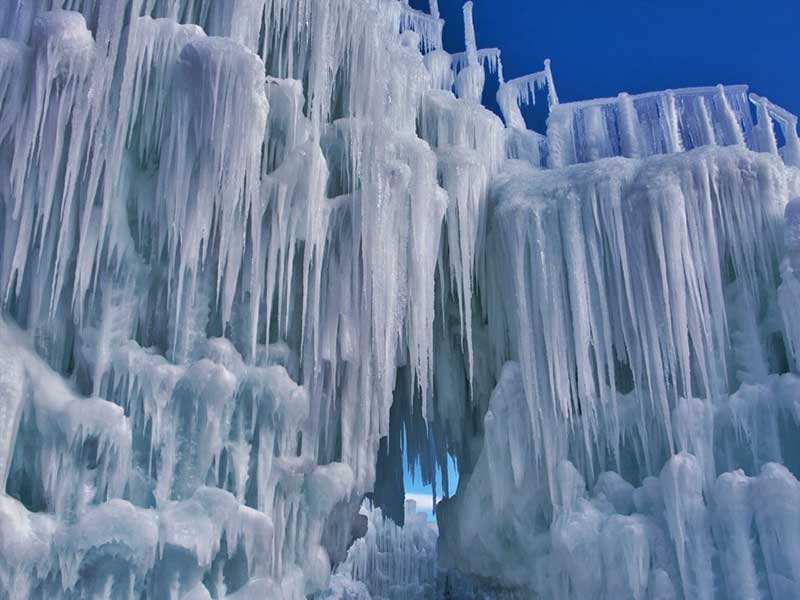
(258, 257)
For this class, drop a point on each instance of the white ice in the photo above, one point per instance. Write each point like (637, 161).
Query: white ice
(252, 250)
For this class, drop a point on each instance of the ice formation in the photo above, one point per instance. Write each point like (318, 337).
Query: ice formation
(390, 562)
(254, 254)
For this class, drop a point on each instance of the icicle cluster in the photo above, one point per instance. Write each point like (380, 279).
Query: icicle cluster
(391, 562)
(252, 250)
(222, 232)
(653, 376)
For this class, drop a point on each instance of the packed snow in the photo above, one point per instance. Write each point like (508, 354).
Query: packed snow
(258, 256)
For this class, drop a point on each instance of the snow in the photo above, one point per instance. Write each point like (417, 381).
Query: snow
(256, 255)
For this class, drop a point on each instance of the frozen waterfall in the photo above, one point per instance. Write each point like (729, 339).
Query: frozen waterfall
(256, 256)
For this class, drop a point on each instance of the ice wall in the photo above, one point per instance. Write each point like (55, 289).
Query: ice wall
(244, 242)
(641, 440)
(220, 232)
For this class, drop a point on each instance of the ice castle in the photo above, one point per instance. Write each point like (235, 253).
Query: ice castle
(257, 254)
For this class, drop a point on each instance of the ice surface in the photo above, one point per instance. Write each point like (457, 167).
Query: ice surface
(256, 254)
(391, 562)
(614, 388)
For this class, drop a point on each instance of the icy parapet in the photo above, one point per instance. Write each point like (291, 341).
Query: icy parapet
(648, 124)
(488, 58)
(527, 145)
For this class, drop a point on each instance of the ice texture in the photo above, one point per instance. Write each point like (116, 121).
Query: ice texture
(259, 256)
(391, 562)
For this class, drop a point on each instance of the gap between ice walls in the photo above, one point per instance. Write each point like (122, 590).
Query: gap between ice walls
(256, 252)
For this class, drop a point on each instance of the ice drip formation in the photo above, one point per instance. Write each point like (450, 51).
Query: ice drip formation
(257, 254)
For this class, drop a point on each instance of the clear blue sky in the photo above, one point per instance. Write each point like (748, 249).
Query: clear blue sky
(600, 48)
(423, 494)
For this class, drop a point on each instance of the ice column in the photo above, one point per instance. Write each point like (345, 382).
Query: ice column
(470, 80)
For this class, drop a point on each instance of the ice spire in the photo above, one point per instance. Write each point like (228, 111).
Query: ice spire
(470, 80)
(469, 34)
(552, 96)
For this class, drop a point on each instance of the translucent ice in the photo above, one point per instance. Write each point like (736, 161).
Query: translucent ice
(257, 255)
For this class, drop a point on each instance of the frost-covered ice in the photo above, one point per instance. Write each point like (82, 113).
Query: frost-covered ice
(390, 562)
(255, 254)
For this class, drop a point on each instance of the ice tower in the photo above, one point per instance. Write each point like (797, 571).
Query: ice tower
(254, 254)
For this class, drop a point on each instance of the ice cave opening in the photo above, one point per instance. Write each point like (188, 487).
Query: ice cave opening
(260, 260)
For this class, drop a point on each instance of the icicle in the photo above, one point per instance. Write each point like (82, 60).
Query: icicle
(552, 96)
(708, 137)
(778, 492)
(389, 560)
(788, 123)
(628, 127)
(488, 58)
(218, 82)
(672, 134)
(519, 92)
(732, 131)
(429, 27)
(766, 133)
(470, 79)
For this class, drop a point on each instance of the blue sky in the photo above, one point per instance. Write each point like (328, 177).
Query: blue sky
(422, 494)
(602, 47)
